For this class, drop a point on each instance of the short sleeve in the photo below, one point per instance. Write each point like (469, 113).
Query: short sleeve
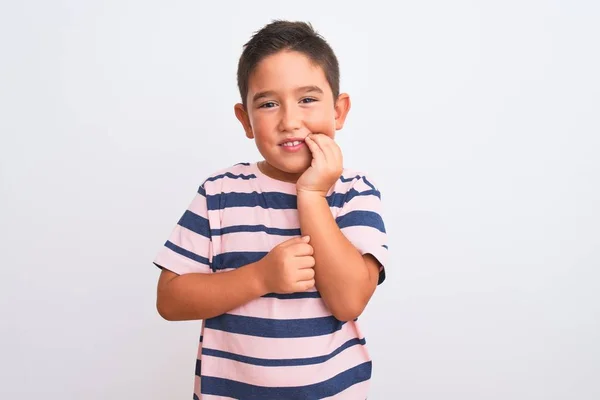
(188, 249)
(360, 220)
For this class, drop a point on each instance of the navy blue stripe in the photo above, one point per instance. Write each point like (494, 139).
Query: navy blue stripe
(255, 228)
(294, 296)
(236, 259)
(361, 218)
(339, 199)
(384, 246)
(276, 200)
(349, 179)
(202, 191)
(196, 397)
(381, 276)
(243, 163)
(186, 253)
(265, 362)
(195, 223)
(275, 328)
(198, 368)
(364, 178)
(330, 387)
(232, 176)
(352, 193)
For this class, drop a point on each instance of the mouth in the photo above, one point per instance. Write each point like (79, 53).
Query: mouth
(292, 145)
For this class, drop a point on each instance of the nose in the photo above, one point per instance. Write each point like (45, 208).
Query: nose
(290, 119)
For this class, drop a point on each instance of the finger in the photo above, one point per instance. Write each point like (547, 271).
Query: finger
(314, 148)
(321, 140)
(329, 147)
(302, 249)
(306, 274)
(296, 240)
(306, 285)
(306, 262)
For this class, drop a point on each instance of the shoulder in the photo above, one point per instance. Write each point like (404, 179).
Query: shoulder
(228, 178)
(355, 180)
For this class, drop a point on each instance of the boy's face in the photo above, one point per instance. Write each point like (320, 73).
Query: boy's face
(288, 99)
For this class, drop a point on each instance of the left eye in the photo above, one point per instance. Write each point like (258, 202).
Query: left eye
(308, 100)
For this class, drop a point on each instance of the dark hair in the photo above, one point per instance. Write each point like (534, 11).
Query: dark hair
(292, 36)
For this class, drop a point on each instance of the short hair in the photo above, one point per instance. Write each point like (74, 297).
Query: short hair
(282, 35)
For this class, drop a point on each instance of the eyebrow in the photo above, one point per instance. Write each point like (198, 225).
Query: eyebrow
(302, 89)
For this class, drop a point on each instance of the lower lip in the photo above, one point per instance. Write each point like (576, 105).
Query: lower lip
(293, 149)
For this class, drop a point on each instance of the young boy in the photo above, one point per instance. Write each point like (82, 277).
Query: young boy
(280, 257)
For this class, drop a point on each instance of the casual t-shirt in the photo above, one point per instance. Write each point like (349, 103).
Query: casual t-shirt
(278, 346)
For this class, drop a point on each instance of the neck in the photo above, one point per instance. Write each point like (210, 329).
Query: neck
(277, 174)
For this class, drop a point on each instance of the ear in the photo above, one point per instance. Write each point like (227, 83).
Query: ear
(342, 107)
(242, 116)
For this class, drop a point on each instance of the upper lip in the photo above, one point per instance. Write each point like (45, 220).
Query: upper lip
(294, 139)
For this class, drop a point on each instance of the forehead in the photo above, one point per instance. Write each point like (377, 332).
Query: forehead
(285, 71)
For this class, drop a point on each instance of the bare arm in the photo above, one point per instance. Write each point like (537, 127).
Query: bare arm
(288, 268)
(345, 278)
(202, 296)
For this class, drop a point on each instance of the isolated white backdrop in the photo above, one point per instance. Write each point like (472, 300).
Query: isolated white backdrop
(478, 120)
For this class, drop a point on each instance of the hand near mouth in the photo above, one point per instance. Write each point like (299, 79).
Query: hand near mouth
(325, 168)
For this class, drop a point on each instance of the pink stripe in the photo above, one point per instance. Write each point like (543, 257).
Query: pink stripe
(368, 203)
(287, 309)
(300, 375)
(179, 264)
(354, 392)
(197, 386)
(285, 348)
(283, 219)
(198, 206)
(360, 184)
(365, 234)
(190, 241)
(248, 241)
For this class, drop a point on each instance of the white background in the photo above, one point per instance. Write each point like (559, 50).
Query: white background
(478, 120)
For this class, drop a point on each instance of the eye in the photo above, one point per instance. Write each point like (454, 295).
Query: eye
(268, 104)
(307, 100)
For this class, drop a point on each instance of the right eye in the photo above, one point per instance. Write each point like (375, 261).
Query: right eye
(268, 104)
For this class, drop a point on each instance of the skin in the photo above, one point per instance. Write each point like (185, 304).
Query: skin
(288, 97)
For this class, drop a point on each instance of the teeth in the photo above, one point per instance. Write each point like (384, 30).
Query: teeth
(291, 144)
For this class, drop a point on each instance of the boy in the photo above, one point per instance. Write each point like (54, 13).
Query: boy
(280, 257)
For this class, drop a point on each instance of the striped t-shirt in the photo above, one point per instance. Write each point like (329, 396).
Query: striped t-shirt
(277, 346)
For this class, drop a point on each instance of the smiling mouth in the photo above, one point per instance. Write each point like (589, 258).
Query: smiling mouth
(293, 143)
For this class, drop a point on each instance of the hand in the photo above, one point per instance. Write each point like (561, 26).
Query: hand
(326, 166)
(288, 268)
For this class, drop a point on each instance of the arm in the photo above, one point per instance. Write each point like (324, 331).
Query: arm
(202, 296)
(345, 278)
(287, 268)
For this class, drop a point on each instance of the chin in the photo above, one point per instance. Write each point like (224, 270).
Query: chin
(296, 167)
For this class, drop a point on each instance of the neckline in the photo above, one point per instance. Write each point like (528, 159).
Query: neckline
(272, 183)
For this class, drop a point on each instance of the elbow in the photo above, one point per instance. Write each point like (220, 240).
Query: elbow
(348, 313)
(165, 310)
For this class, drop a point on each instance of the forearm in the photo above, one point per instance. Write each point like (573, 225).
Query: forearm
(202, 296)
(341, 274)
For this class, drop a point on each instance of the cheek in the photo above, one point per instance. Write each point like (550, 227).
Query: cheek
(260, 127)
(321, 122)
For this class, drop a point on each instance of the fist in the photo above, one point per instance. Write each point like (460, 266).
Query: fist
(288, 268)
